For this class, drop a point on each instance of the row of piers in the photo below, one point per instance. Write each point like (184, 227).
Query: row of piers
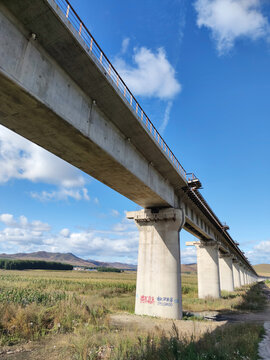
(158, 288)
(219, 270)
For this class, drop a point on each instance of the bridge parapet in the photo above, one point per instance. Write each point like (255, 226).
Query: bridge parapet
(123, 89)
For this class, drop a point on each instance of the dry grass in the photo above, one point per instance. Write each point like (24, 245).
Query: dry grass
(36, 304)
(245, 298)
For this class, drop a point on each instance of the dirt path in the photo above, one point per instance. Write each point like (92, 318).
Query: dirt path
(256, 317)
(146, 324)
(52, 348)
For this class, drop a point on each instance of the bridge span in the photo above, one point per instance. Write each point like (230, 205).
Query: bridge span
(59, 90)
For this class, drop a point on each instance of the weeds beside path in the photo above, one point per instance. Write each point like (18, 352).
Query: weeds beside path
(71, 316)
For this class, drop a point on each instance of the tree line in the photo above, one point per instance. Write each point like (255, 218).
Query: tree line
(33, 265)
(108, 269)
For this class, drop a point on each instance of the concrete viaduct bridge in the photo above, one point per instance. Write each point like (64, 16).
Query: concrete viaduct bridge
(59, 90)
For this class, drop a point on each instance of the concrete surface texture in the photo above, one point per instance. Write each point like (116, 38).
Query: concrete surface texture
(208, 270)
(242, 278)
(158, 289)
(226, 272)
(236, 274)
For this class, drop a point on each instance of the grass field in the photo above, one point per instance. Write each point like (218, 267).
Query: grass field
(39, 304)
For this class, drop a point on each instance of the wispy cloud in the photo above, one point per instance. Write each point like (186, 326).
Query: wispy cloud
(115, 213)
(166, 117)
(125, 44)
(229, 20)
(61, 194)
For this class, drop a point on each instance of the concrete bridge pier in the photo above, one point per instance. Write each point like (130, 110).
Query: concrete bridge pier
(236, 274)
(245, 276)
(242, 278)
(226, 272)
(158, 289)
(208, 269)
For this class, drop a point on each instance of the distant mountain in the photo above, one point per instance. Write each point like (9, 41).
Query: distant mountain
(116, 265)
(189, 268)
(67, 258)
(262, 269)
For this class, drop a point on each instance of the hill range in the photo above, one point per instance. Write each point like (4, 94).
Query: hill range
(67, 258)
(263, 269)
(74, 260)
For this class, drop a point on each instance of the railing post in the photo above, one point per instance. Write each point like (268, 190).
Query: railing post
(68, 7)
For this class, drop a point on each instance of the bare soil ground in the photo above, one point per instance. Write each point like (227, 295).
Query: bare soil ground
(52, 348)
(186, 328)
(252, 317)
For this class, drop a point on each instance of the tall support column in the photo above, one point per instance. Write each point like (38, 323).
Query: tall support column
(158, 289)
(245, 276)
(242, 276)
(208, 269)
(226, 272)
(236, 274)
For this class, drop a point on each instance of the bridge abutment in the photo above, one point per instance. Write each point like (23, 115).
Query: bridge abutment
(158, 289)
(208, 270)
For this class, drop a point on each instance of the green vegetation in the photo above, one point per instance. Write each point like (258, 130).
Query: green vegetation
(36, 303)
(108, 269)
(247, 298)
(78, 306)
(32, 264)
(235, 342)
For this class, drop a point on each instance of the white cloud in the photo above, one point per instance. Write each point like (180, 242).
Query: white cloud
(230, 20)
(125, 44)
(21, 159)
(61, 194)
(22, 235)
(23, 223)
(119, 243)
(260, 253)
(64, 232)
(152, 75)
(189, 255)
(7, 219)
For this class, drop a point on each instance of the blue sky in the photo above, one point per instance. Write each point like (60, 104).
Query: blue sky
(200, 70)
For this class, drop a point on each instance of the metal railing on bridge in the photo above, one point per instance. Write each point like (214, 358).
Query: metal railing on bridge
(95, 49)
